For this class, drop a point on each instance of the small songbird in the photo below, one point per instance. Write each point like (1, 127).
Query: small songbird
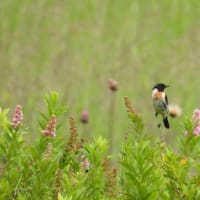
(160, 102)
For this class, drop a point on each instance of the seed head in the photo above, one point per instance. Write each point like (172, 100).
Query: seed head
(174, 110)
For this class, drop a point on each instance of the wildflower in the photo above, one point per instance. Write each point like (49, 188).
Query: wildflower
(196, 124)
(50, 130)
(134, 116)
(110, 174)
(183, 161)
(113, 85)
(48, 152)
(129, 106)
(17, 116)
(174, 110)
(196, 130)
(79, 143)
(58, 182)
(196, 116)
(196, 119)
(85, 164)
(72, 143)
(85, 117)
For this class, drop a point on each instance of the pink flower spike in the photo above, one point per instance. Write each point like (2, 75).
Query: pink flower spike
(85, 164)
(52, 134)
(50, 130)
(196, 131)
(196, 114)
(45, 132)
(17, 116)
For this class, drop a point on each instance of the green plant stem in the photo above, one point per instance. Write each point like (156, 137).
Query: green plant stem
(111, 121)
(85, 131)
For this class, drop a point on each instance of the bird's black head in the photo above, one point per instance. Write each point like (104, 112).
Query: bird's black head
(160, 86)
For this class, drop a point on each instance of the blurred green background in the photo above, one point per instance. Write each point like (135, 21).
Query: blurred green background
(76, 46)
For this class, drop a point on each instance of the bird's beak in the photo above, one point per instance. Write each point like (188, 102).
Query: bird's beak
(167, 86)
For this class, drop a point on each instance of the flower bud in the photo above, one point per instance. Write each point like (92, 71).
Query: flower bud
(85, 116)
(113, 85)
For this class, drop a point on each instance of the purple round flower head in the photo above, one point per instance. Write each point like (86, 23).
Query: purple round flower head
(113, 85)
(85, 116)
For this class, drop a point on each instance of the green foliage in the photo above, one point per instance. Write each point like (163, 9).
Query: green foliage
(90, 184)
(152, 170)
(54, 107)
(138, 125)
(76, 47)
(39, 171)
(77, 169)
(128, 40)
(189, 144)
(140, 170)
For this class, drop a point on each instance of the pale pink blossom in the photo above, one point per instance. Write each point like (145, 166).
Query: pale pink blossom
(50, 130)
(196, 123)
(196, 130)
(85, 163)
(17, 116)
(196, 115)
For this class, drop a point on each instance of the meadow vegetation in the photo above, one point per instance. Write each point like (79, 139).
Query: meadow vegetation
(78, 48)
(78, 168)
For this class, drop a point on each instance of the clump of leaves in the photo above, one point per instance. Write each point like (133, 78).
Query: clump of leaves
(70, 167)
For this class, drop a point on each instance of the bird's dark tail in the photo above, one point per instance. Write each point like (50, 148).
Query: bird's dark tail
(166, 122)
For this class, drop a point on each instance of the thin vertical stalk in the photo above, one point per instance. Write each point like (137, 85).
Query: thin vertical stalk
(111, 121)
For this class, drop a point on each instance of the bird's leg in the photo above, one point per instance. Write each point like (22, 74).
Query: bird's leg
(159, 125)
(156, 114)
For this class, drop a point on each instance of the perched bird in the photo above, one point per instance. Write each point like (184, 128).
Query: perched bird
(160, 102)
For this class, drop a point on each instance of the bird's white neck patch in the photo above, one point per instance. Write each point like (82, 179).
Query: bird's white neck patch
(155, 90)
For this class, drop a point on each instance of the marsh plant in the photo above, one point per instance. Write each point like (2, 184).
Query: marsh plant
(59, 164)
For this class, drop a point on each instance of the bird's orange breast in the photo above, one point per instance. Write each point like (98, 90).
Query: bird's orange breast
(158, 95)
